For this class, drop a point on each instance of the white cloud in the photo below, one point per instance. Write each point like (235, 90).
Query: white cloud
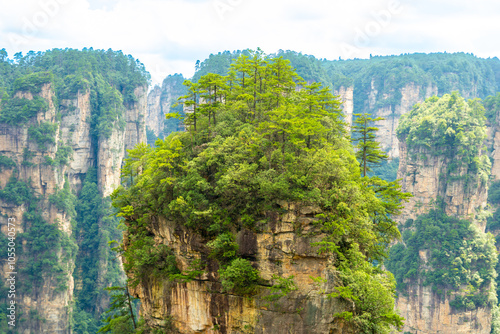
(168, 36)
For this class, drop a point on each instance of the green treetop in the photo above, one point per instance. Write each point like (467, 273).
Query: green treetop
(449, 126)
(368, 153)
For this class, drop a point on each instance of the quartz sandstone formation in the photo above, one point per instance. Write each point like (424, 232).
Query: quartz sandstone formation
(53, 305)
(346, 95)
(410, 94)
(493, 144)
(386, 134)
(426, 313)
(155, 111)
(425, 176)
(160, 101)
(282, 248)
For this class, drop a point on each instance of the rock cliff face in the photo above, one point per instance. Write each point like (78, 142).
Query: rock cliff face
(112, 150)
(155, 115)
(47, 308)
(426, 313)
(160, 102)
(493, 144)
(346, 95)
(425, 176)
(371, 101)
(282, 248)
(410, 94)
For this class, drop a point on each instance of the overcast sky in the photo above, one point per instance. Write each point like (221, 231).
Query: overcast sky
(168, 36)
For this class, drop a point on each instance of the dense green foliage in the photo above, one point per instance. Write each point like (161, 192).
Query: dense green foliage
(40, 239)
(6, 162)
(388, 170)
(43, 134)
(459, 259)
(121, 318)
(15, 191)
(63, 154)
(239, 276)
(493, 226)
(255, 140)
(493, 222)
(223, 248)
(64, 199)
(26, 84)
(492, 107)
(32, 82)
(95, 228)
(17, 111)
(217, 63)
(443, 123)
(451, 127)
(386, 75)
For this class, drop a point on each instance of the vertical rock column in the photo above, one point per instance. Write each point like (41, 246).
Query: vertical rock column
(437, 171)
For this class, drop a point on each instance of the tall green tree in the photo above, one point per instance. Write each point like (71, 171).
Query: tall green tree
(212, 89)
(190, 100)
(369, 153)
(121, 319)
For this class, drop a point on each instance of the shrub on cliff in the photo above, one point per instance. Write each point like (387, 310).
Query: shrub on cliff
(239, 276)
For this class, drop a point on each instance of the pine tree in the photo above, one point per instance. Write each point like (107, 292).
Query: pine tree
(121, 318)
(212, 89)
(369, 153)
(190, 100)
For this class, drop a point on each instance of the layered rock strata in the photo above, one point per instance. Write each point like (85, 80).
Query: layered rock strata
(283, 248)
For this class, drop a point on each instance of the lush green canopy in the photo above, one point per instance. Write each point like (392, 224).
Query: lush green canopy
(448, 126)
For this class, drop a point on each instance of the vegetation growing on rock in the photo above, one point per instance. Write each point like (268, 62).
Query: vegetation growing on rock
(37, 91)
(259, 136)
(459, 259)
(448, 253)
(451, 127)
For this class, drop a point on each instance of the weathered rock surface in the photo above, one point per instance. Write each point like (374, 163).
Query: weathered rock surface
(493, 144)
(410, 95)
(346, 95)
(160, 101)
(425, 176)
(426, 313)
(282, 248)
